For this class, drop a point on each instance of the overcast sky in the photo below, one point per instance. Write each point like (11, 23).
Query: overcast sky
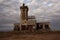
(43, 10)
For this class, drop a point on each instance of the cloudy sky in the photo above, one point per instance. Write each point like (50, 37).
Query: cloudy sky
(43, 10)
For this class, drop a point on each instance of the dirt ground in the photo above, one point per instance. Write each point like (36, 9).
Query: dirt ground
(31, 36)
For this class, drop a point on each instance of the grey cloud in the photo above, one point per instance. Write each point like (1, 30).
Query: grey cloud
(9, 11)
(9, 14)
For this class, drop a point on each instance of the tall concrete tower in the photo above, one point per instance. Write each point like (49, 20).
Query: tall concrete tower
(24, 12)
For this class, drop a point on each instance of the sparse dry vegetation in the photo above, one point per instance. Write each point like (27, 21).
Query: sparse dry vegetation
(16, 35)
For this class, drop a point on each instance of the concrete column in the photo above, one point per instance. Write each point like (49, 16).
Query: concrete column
(20, 27)
(43, 26)
(48, 27)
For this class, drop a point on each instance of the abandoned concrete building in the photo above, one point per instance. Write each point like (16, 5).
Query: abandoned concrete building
(29, 22)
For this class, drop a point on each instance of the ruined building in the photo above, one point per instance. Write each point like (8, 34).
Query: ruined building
(29, 22)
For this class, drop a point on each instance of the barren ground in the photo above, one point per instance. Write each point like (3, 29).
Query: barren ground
(29, 36)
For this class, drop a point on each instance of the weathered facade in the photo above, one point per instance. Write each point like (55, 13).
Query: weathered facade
(28, 22)
(45, 26)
